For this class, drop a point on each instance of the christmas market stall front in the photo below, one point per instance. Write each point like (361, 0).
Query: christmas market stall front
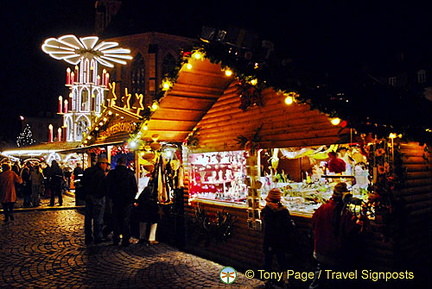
(259, 134)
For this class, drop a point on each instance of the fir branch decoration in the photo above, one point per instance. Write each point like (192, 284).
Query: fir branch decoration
(250, 144)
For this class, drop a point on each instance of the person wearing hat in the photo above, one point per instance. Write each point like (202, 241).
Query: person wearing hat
(278, 227)
(334, 227)
(94, 187)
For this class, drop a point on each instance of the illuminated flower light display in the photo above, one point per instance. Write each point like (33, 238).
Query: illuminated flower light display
(87, 98)
(72, 50)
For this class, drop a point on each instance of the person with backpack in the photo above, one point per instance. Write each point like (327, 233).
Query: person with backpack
(122, 189)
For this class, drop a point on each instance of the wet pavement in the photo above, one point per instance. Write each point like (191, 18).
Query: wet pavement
(44, 248)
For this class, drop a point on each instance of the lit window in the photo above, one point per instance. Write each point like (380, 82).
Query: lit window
(392, 81)
(421, 76)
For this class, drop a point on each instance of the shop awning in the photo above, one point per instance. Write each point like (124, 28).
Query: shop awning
(40, 149)
(196, 90)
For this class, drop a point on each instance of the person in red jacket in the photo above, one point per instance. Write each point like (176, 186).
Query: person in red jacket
(334, 227)
(335, 165)
(8, 196)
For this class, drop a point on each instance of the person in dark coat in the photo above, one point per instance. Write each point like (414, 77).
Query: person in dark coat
(26, 187)
(122, 189)
(56, 180)
(334, 228)
(278, 227)
(95, 189)
(77, 174)
(146, 212)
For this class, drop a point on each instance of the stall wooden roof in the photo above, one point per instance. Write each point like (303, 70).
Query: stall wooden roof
(183, 106)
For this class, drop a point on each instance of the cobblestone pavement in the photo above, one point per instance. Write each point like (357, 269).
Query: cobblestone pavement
(44, 248)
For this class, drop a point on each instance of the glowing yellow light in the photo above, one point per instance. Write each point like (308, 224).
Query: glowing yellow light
(335, 121)
(100, 123)
(155, 105)
(89, 137)
(133, 144)
(228, 72)
(96, 128)
(394, 135)
(166, 85)
(197, 55)
(105, 119)
(145, 127)
(254, 81)
(189, 66)
(289, 99)
(110, 112)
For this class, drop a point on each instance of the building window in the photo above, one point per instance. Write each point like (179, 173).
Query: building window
(421, 76)
(138, 75)
(168, 64)
(392, 81)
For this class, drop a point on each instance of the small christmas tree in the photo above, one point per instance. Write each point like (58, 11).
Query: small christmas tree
(26, 137)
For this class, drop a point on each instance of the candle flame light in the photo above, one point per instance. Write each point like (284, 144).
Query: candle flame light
(59, 134)
(60, 104)
(50, 133)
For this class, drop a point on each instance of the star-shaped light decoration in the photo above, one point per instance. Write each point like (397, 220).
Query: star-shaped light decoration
(72, 50)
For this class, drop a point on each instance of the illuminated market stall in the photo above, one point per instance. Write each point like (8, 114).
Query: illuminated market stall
(255, 137)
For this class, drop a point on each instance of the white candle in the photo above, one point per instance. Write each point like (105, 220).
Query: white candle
(60, 103)
(68, 76)
(50, 133)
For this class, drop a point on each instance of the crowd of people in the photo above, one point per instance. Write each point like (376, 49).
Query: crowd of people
(32, 181)
(110, 198)
(335, 230)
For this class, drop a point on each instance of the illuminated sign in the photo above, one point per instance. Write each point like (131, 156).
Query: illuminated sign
(127, 127)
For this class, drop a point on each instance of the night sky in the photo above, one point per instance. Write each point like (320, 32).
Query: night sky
(327, 35)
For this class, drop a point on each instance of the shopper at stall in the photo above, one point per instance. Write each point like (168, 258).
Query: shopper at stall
(56, 181)
(146, 212)
(26, 187)
(335, 164)
(122, 189)
(8, 196)
(36, 178)
(78, 173)
(334, 229)
(278, 228)
(94, 187)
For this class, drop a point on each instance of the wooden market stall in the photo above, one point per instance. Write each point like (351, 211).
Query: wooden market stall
(242, 135)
